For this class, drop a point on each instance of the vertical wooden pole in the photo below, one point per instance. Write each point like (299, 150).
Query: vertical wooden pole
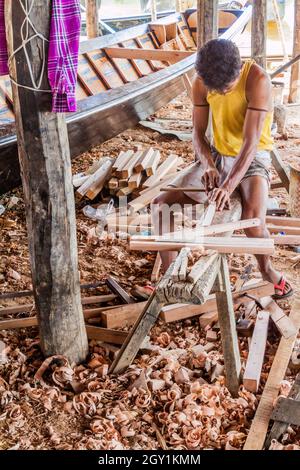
(294, 96)
(46, 175)
(153, 10)
(92, 18)
(259, 32)
(207, 21)
(227, 324)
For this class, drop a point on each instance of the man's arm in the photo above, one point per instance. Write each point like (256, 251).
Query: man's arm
(259, 95)
(200, 143)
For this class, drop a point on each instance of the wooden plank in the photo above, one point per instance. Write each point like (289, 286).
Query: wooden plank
(122, 316)
(251, 378)
(136, 336)
(283, 221)
(44, 156)
(115, 287)
(219, 244)
(145, 158)
(227, 325)
(156, 268)
(200, 267)
(281, 169)
(127, 169)
(142, 66)
(170, 164)
(147, 41)
(106, 335)
(260, 423)
(147, 197)
(147, 54)
(135, 180)
(283, 323)
(104, 68)
(193, 234)
(152, 164)
(88, 77)
(125, 68)
(98, 180)
(208, 215)
(286, 230)
(181, 258)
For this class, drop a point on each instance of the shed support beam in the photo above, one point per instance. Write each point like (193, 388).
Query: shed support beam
(92, 18)
(47, 183)
(207, 21)
(294, 96)
(259, 32)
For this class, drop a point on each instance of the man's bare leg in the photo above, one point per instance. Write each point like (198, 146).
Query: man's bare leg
(254, 192)
(164, 223)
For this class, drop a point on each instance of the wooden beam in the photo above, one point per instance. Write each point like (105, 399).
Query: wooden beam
(294, 96)
(282, 322)
(92, 18)
(283, 221)
(281, 169)
(156, 268)
(227, 325)
(170, 164)
(122, 316)
(207, 21)
(106, 335)
(219, 244)
(251, 378)
(259, 32)
(44, 156)
(136, 336)
(147, 54)
(115, 287)
(260, 423)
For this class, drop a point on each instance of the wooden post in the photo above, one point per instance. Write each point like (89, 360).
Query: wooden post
(294, 202)
(229, 338)
(207, 21)
(47, 183)
(92, 18)
(178, 6)
(259, 32)
(294, 96)
(153, 10)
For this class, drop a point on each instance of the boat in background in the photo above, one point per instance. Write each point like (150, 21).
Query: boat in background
(122, 78)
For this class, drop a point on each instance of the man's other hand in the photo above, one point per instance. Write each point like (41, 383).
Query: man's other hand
(211, 178)
(221, 197)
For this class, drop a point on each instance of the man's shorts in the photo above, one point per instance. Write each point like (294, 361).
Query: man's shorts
(191, 177)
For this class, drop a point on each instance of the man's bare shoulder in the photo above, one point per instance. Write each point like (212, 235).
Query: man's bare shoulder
(199, 91)
(258, 77)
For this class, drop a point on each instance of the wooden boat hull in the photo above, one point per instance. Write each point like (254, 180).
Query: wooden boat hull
(105, 115)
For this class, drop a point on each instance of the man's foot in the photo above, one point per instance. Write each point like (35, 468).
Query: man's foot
(283, 289)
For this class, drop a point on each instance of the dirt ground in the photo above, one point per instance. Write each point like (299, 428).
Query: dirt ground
(173, 404)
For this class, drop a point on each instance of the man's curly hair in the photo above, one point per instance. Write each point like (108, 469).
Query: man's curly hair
(218, 63)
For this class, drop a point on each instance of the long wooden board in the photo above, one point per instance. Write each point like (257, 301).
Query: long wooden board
(260, 423)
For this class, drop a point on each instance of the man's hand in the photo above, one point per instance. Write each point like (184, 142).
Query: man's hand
(221, 196)
(210, 178)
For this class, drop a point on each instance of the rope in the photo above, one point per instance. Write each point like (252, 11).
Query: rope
(26, 38)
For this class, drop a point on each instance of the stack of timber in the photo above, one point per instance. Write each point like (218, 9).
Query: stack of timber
(130, 173)
(122, 79)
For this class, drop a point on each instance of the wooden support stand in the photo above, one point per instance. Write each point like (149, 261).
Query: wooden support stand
(228, 329)
(259, 32)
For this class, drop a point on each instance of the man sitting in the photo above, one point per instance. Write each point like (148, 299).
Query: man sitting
(239, 96)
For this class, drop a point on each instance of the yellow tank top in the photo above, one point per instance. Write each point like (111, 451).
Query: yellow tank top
(228, 116)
